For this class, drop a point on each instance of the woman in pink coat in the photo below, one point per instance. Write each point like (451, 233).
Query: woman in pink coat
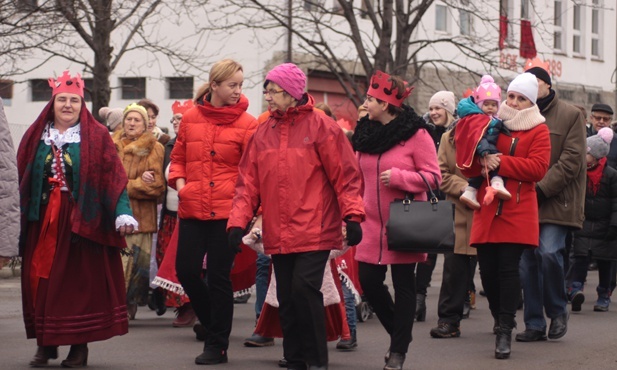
(394, 148)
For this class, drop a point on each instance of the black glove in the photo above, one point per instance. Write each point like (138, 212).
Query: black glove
(611, 235)
(235, 238)
(540, 195)
(354, 233)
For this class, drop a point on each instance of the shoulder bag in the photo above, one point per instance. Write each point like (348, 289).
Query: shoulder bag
(419, 226)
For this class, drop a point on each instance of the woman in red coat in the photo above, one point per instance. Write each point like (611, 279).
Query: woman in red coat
(204, 168)
(504, 228)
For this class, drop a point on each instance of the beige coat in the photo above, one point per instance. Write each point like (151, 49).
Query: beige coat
(453, 182)
(139, 156)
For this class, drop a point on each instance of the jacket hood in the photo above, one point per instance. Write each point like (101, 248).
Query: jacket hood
(224, 115)
(468, 106)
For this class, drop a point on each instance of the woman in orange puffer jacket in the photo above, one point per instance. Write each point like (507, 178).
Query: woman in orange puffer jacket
(204, 168)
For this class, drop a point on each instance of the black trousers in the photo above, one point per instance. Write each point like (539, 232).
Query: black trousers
(298, 282)
(396, 315)
(457, 272)
(213, 302)
(499, 271)
(424, 273)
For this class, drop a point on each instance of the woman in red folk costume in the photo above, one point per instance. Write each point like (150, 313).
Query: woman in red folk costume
(169, 219)
(75, 212)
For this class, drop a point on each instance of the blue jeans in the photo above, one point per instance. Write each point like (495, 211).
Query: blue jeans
(261, 282)
(543, 277)
(350, 308)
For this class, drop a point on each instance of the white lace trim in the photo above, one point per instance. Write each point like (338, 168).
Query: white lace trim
(71, 135)
(126, 220)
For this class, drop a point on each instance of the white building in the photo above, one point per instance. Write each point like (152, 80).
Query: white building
(576, 38)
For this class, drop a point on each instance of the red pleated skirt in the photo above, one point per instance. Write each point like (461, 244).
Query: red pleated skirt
(84, 298)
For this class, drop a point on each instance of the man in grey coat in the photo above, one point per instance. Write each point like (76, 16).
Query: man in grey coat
(561, 198)
(9, 191)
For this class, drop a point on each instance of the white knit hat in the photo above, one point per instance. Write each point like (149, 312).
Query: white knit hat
(525, 84)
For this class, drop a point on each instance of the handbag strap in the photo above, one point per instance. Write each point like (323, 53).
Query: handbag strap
(433, 199)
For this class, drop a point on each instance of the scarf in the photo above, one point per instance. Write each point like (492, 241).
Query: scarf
(373, 137)
(102, 178)
(542, 103)
(520, 120)
(594, 175)
(224, 115)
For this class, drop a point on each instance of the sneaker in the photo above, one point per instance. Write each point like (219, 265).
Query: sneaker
(469, 198)
(501, 191)
(212, 356)
(257, 340)
(282, 362)
(602, 303)
(348, 344)
(446, 330)
(577, 298)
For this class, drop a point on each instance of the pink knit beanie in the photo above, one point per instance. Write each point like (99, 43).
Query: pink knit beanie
(289, 77)
(487, 90)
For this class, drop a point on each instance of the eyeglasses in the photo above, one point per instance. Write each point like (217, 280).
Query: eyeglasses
(174, 119)
(272, 92)
(602, 119)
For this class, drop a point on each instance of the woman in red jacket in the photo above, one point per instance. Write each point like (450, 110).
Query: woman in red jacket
(504, 228)
(301, 167)
(204, 168)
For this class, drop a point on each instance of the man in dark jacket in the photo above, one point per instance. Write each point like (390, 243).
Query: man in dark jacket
(561, 196)
(602, 116)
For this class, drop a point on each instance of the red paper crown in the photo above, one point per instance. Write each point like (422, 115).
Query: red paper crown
(537, 62)
(382, 87)
(467, 93)
(179, 108)
(67, 84)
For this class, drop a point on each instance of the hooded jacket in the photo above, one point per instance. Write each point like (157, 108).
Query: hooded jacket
(300, 167)
(207, 152)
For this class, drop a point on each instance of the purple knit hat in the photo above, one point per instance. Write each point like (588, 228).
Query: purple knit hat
(289, 77)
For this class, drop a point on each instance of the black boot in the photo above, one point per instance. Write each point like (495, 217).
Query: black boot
(420, 307)
(503, 340)
(395, 361)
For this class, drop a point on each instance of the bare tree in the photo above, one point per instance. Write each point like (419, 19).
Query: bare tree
(353, 38)
(96, 34)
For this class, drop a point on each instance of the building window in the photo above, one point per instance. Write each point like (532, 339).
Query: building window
(596, 29)
(133, 88)
(578, 25)
(364, 9)
(180, 87)
(313, 5)
(559, 26)
(40, 90)
(525, 9)
(441, 18)
(88, 88)
(465, 22)
(6, 89)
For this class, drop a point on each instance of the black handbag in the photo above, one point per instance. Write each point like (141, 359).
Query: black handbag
(419, 226)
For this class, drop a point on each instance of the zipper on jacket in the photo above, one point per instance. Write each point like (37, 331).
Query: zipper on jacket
(518, 192)
(380, 215)
(505, 181)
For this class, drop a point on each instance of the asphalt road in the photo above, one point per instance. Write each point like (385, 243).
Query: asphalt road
(152, 343)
